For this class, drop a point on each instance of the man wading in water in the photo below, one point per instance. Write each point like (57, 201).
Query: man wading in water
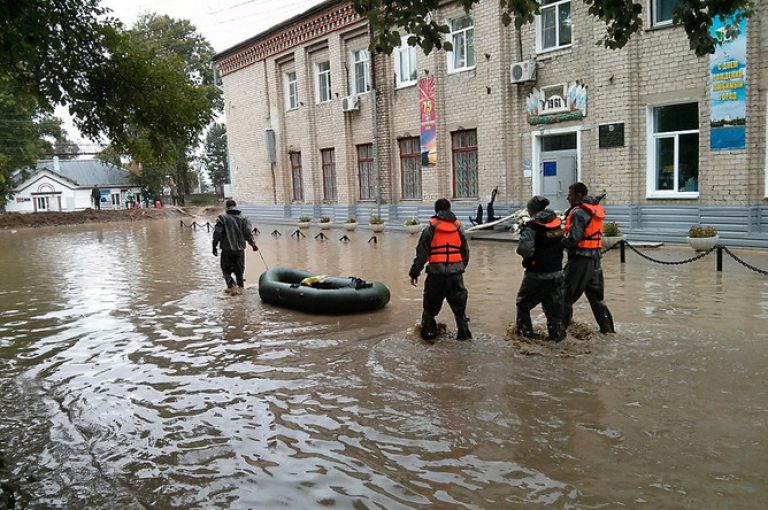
(232, 231)
(443, 245)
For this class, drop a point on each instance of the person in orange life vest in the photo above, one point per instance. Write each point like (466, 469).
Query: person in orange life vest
(583, 240)
(443, 246)
(542, 252)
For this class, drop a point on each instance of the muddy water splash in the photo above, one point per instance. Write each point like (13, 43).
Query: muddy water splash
(129, 380)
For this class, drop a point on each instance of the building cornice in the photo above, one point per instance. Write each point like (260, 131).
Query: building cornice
(313, 24)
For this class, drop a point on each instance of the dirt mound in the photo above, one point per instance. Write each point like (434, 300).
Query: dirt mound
(580, 340)
(52, 219)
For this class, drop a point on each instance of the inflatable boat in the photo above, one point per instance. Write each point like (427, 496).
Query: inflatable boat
(305, 291)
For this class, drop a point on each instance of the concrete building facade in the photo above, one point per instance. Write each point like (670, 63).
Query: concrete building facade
(317, 125)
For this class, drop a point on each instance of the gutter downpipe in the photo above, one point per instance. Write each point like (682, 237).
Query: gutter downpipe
(375, 121)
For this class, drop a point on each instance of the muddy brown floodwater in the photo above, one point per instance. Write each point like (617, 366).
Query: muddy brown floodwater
(129, 380)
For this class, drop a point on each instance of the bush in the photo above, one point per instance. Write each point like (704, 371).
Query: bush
(325, 219)
(203, 199)
(411, 221)
(702, 231)
(376, 220)
(611, 229)
(304, 219)
(351, 219)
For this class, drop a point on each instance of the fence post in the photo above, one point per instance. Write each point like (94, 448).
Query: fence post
(719, 259)
(623, 256)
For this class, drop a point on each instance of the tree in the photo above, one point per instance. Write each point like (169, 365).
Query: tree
(389, 20)
(215, 157)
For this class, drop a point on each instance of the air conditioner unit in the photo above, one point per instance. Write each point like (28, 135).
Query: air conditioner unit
(350, 103)
(521, 72)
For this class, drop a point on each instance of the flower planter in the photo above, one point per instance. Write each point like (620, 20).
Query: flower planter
(349, 227)
(303, 224)
(611, 241)
(703, 243)
(413, 229)
(325, 226)
(377, 227)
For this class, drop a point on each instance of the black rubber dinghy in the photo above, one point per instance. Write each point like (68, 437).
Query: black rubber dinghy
(281, 286)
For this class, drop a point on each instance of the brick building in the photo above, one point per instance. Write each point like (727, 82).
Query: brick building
(316, 125)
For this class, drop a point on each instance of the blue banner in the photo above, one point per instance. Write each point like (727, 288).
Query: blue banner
(728, 85)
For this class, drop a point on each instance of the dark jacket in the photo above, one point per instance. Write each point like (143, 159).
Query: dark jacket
(541, 247)
(578, 225)
(422, 251)
(232, 231)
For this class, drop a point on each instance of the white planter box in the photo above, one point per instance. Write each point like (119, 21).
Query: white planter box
(303, 224)
(349, 227)
(377, 227)
(611, 241)
(325, 226)
(413, 229)
(703, 243)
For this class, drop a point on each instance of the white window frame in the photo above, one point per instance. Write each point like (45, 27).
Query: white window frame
(766, 147)
(291, 91)
(655, 22)
(318, 85)
(465, 32)
(404, 51)
(540, 27)
(651, 137)
(360, 58)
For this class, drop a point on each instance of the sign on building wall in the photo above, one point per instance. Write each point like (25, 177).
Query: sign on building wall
(428, 112)
(558, 103)
(728, 85)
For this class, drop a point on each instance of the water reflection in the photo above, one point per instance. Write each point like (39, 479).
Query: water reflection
(128, 379)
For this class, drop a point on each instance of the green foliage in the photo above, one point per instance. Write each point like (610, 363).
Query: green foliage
(325, 219)
(702, 231)
(215, 157)
(389, 20)
(204, 199)
(351, 219)
(411, 221)
(304, 219)
(376, 220)
(611, 229)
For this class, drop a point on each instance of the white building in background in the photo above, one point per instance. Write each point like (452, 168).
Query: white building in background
(66, 185)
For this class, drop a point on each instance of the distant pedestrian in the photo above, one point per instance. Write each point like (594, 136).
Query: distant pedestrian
(96, 197)
(542, 252)
(232, 232)
(443, 246)
(583, 240)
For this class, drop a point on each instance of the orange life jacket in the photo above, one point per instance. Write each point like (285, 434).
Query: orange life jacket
(446, 242)
(593, 232)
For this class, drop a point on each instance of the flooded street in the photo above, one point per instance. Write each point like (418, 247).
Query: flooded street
(129, 380)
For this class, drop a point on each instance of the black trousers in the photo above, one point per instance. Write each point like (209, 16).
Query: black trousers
(549, 293)
(584, 275)
(233, 262)
(449, 287)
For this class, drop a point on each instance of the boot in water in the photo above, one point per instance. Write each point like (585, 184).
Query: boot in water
(463, 332)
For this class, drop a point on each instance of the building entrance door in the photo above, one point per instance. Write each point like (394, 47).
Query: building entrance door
(558, 169)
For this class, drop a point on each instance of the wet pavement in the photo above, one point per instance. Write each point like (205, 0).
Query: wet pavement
(129, 380)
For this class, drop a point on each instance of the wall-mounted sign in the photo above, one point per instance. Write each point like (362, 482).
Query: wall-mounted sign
(728, 85)
(428, 114)
(548, 106)
(611, 135)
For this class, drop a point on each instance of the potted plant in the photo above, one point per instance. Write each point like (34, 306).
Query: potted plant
(377, 224)
(702, 238)
(351, 224)
(304, 221)
(325, 222)
(611, 234)
(412, 226)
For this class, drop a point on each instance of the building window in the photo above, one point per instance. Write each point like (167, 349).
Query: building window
(365, 171)
(405, 63)
(462, 36)
(663, 11)
(292, 90)
(42, 203)
(298, 185)
(323, 71)
(674, 149)
(360, 80)
(464, 148)
(329, 174)
(410, 166)
(554, 24)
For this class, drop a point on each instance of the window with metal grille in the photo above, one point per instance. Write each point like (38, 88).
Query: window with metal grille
(298, 185)
(329, 174)
(410, 166)
(464, 148)
(365, 171)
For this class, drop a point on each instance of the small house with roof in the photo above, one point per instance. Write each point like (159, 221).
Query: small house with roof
(66, 185)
